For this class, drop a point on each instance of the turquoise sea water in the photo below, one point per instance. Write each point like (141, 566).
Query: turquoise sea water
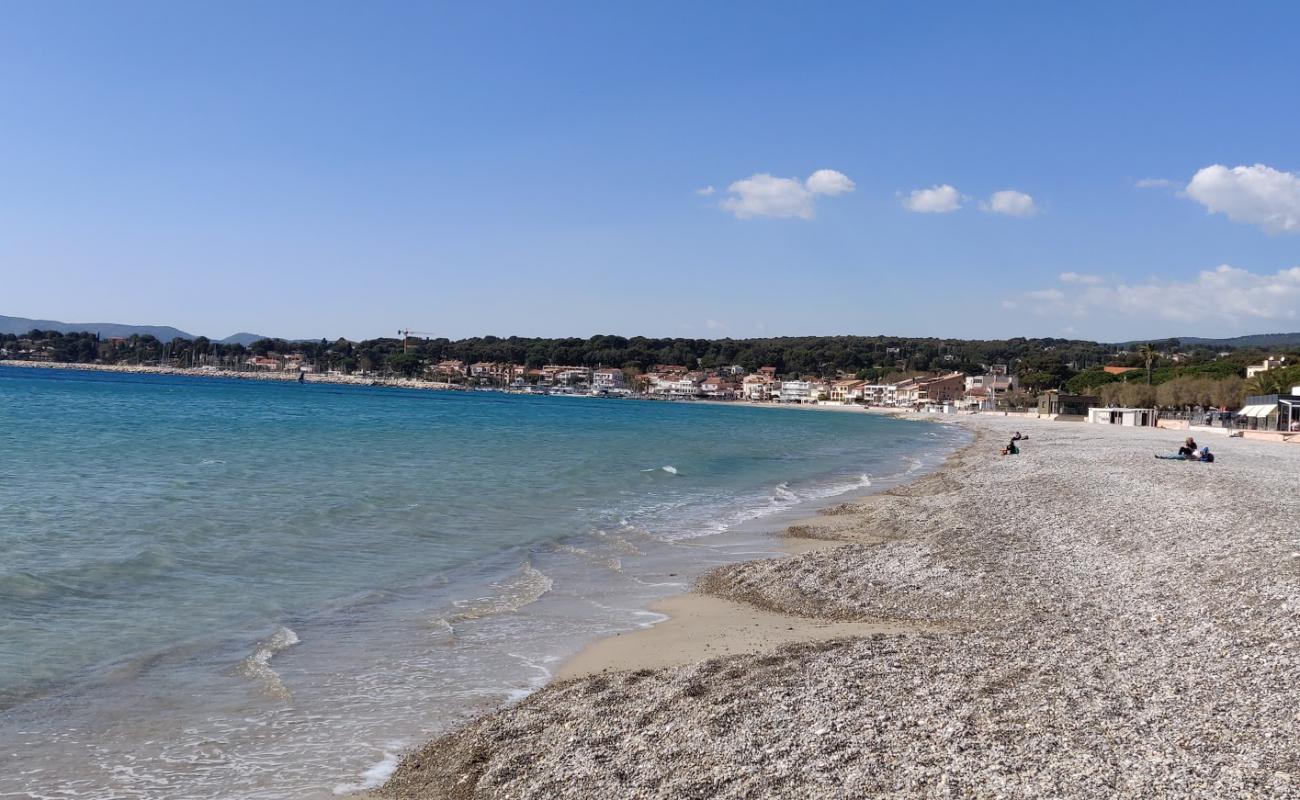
(215, 588)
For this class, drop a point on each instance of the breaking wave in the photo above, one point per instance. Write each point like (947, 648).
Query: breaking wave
(525, 586)
(257, 666)
(612, 563)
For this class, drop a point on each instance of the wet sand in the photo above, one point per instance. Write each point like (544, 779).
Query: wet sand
(701, 626)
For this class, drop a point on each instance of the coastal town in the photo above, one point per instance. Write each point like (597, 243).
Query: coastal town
(1144, 385)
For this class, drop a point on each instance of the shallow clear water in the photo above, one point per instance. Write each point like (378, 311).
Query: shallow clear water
(217, 588)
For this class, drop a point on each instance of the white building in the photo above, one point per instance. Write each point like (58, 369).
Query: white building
(999, 383)
(756, 387)
(797, 392)
(674, 386)
(718, 388)
(1269, 363)
(1129, 417)
(880, 394)
(606, 379)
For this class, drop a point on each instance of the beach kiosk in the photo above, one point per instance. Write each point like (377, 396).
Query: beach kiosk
(1272, 412)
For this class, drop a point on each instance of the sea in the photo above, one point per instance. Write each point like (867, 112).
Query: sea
(218, 588)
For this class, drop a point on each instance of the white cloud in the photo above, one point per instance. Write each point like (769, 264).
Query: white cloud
(1155, 183)
(936, 200)
(1258, 195)
(1046, 295)
(763, 195)
(829, 182)
(1225, 295)
(1011, 203)
(705, 191)
(1079, 277)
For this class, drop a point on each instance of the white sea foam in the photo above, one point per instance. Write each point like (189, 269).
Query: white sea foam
(646, 618)
(669, 468)
(373, 777)
(525, 586)
(611, 563)
(782, 499)
(258, 665)
(782, 494)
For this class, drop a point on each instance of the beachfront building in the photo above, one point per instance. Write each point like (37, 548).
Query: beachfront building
(1129, 417)
(674, 386)
(716, 387)
(906, 391)
(880, 394)
(756, 387)
(604, 380)
(998, 383)
(942, 390)
(847, 391)
(495, 371)
(923, 391)
(1052, 403)
(982, 392)
(796, 391)
(1273, 412)
(562, 375)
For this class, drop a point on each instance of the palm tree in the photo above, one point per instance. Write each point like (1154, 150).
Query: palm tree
(1274, 381)
(1148, 353)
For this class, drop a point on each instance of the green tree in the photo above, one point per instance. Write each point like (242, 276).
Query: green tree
(407, 365)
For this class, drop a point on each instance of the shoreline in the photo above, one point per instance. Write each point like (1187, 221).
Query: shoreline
(309, 645)
(703, 623)
(230, 374)
(422, 385)
(1068, 622)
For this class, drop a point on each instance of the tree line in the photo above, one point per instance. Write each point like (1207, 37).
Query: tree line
(1075, 366)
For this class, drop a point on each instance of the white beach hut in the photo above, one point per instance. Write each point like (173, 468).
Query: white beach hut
(1131, 417)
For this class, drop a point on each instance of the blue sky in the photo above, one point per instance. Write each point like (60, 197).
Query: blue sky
(324, 169)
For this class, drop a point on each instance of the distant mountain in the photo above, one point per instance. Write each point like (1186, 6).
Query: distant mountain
(242, 338)
(21, 325)
(1260, 340)
(1264, 340)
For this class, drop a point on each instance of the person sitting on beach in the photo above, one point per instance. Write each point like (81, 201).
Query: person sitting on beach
(1011, 449)
(1189, 447)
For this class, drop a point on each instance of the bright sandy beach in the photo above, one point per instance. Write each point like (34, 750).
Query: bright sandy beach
(1080, 620)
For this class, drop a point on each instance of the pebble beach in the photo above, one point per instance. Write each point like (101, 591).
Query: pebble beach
(1080, 620)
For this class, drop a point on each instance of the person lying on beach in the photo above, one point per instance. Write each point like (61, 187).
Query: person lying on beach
(1203, 454)
(1188, 448)
(1018, 437)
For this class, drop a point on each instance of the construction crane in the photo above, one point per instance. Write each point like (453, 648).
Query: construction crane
(406, 336)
